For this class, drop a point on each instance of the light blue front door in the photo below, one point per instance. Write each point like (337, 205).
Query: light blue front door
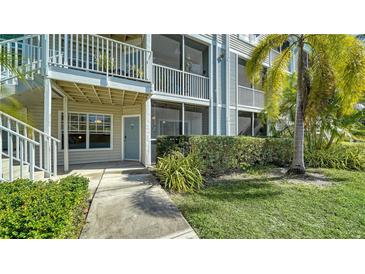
(131, 138)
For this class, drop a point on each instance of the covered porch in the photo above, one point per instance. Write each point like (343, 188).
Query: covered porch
(90, 121)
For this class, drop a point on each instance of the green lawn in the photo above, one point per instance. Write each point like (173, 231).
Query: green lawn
(263, 207)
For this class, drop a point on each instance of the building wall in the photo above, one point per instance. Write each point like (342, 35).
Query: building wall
(35, 112)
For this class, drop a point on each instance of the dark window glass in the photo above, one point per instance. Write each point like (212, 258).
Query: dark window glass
(196, 120)
(243, 79)
(99, 141)
(244, 123)
(166, 119)
(76, 141)
(196, 57)
(99, 130)
(260, 127)
(167, 50)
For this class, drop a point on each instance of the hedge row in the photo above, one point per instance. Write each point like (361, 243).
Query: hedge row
(221, 154)
(38, 209)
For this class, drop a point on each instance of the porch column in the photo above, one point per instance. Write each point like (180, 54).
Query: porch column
(47, 123)
(65, 134)
(147, 155)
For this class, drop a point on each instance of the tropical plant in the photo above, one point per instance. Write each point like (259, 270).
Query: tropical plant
(105, 62)
(179, 173)
(329, 67)
(8, 103)
(330, 127)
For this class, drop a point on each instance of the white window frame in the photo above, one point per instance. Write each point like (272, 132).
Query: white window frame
(248, 38)
(87, 132)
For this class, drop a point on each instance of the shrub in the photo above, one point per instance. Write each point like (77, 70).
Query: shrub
(43, 209)
(220, 154)
(340, 156)
(179, 173)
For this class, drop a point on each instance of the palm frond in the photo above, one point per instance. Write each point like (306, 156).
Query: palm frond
(261, 52)
(274, 83)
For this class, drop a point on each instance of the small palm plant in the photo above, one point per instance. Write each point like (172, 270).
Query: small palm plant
(179, 173)
(327, 66)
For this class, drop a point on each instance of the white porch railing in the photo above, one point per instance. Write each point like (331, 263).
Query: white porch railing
(26, 146)
(23, 56)
(177, 82)
(98, 54)
(251, 97)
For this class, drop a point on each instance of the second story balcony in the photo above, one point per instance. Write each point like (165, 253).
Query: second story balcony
(180, 66)
(98, 54)
(176, 82)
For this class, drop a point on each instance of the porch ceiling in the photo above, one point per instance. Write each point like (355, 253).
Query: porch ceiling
(90, 94)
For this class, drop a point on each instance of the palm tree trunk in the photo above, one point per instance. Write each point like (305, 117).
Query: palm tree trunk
(297, 166)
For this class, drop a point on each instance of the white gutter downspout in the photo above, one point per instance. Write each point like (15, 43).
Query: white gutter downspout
(227, 85)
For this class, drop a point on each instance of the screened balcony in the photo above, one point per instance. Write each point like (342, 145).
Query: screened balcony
(180, 66)
(248, 95)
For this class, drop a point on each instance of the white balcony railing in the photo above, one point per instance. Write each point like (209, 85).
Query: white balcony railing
(250, 97)
(177, 82)
(23, 57)
(98, 54)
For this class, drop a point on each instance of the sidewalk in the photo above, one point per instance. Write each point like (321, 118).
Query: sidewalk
(129, 204)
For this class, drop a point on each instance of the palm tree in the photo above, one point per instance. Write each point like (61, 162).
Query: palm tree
(327, 65)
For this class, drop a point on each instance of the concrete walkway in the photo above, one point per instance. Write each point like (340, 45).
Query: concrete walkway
(128, 203)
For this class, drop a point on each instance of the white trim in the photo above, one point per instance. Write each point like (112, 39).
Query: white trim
(179, 99)
(249, 109)
(87, 132)
(139, 137)
(95, 79)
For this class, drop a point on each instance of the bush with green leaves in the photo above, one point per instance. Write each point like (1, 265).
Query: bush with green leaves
(179, 173)
(340, 156)
(221, 154)
(43, 209)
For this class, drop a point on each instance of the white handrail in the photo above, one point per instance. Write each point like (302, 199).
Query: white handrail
(178, 82)
(250, 97)
(98, 54)
(19, 135)
(28, 126)
(32, 147)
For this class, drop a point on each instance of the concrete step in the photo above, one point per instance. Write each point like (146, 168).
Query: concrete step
(38, 175)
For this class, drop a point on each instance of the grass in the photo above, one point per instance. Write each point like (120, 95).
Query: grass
(264, 207)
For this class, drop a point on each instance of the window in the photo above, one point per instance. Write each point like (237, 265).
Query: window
(260, 128)
(196, 57)
(167, 50)
(88, 131)
(245, 123)
(251, 38)
(166, 119)
(196, 120)
(242, 74)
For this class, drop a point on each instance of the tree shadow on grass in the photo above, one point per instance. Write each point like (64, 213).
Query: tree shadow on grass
(248, 189)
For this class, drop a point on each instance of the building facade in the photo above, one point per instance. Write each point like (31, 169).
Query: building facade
(108, 97)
